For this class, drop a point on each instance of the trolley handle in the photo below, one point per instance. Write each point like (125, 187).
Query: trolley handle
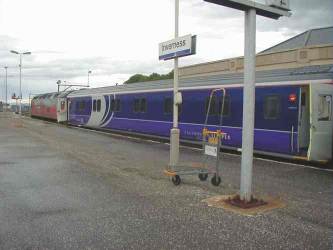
(206, 132)
(209, 104)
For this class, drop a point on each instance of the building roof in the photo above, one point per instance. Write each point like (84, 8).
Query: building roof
(313, 37)
(268, 76)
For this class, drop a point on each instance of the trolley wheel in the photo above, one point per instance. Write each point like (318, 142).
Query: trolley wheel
(176, 180)
(203, 177)
(216, 180)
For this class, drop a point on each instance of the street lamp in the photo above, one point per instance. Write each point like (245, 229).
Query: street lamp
(20, 65)
(6, 67)
(89, 72)
(58, 83)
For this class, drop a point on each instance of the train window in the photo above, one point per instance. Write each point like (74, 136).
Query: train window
(94, 105)
(112, 106)
(272, 107)
(325, 108)
(62, 105)
(98, 109)
(143, 105)
(82, 105)
(136, 105)
(77, 106)
(213, 109)
(226, 108)
(168, 105)
(117, 106)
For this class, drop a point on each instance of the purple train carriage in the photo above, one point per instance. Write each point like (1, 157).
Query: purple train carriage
(293, 114)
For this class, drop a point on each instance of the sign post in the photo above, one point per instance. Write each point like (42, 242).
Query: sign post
(174, 133)
(173, 49)
(273, 9)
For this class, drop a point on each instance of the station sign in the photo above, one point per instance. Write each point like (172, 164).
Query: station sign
(179, 47)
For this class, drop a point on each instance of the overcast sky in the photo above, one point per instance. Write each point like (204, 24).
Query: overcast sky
(116, 39)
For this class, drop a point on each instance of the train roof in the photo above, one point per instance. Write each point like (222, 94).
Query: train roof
(52, 95)
(265, 77)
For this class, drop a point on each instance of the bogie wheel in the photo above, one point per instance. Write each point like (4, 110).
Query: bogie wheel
(203, 177)
(216, 180)
(176, 180)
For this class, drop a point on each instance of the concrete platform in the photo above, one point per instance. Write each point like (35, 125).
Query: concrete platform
(68, 188)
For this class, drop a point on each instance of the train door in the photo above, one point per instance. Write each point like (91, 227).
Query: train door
(320, 147)
(97, 111)
(62, 110)
(304, 121)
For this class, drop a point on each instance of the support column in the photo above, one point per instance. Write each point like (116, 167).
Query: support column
(20, 101)
(248, 105)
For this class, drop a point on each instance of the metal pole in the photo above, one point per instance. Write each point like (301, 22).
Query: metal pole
(30, 103)
(20, 109)
(174, 133)
(175, 89)
(6, 90)
(248, 104)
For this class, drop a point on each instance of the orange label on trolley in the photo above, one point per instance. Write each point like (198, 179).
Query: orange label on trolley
(213, 140)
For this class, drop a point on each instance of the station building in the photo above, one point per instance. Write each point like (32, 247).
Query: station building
(311, 48)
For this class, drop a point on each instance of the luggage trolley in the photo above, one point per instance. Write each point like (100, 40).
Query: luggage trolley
(211, 148)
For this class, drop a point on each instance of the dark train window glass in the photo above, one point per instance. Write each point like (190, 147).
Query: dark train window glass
(94, 105)
(272, 107)
(143, 105)
(168, 105)
(303, 99)
(213, 109)
(136, 105)
(226, 108)
(98, 109)
(117, 106)
(77, 106)
(82, 105)
(112, 107)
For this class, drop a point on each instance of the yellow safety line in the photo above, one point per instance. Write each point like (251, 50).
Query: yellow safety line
(300, 158)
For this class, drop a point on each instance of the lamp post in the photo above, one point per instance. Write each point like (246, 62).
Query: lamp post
(58, 83)
(89, 72)
(6, 88)
(20, 65)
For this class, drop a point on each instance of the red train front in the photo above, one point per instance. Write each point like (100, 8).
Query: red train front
(45, 106)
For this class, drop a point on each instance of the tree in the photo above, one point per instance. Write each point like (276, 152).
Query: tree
(151, 77)
(137, 78)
